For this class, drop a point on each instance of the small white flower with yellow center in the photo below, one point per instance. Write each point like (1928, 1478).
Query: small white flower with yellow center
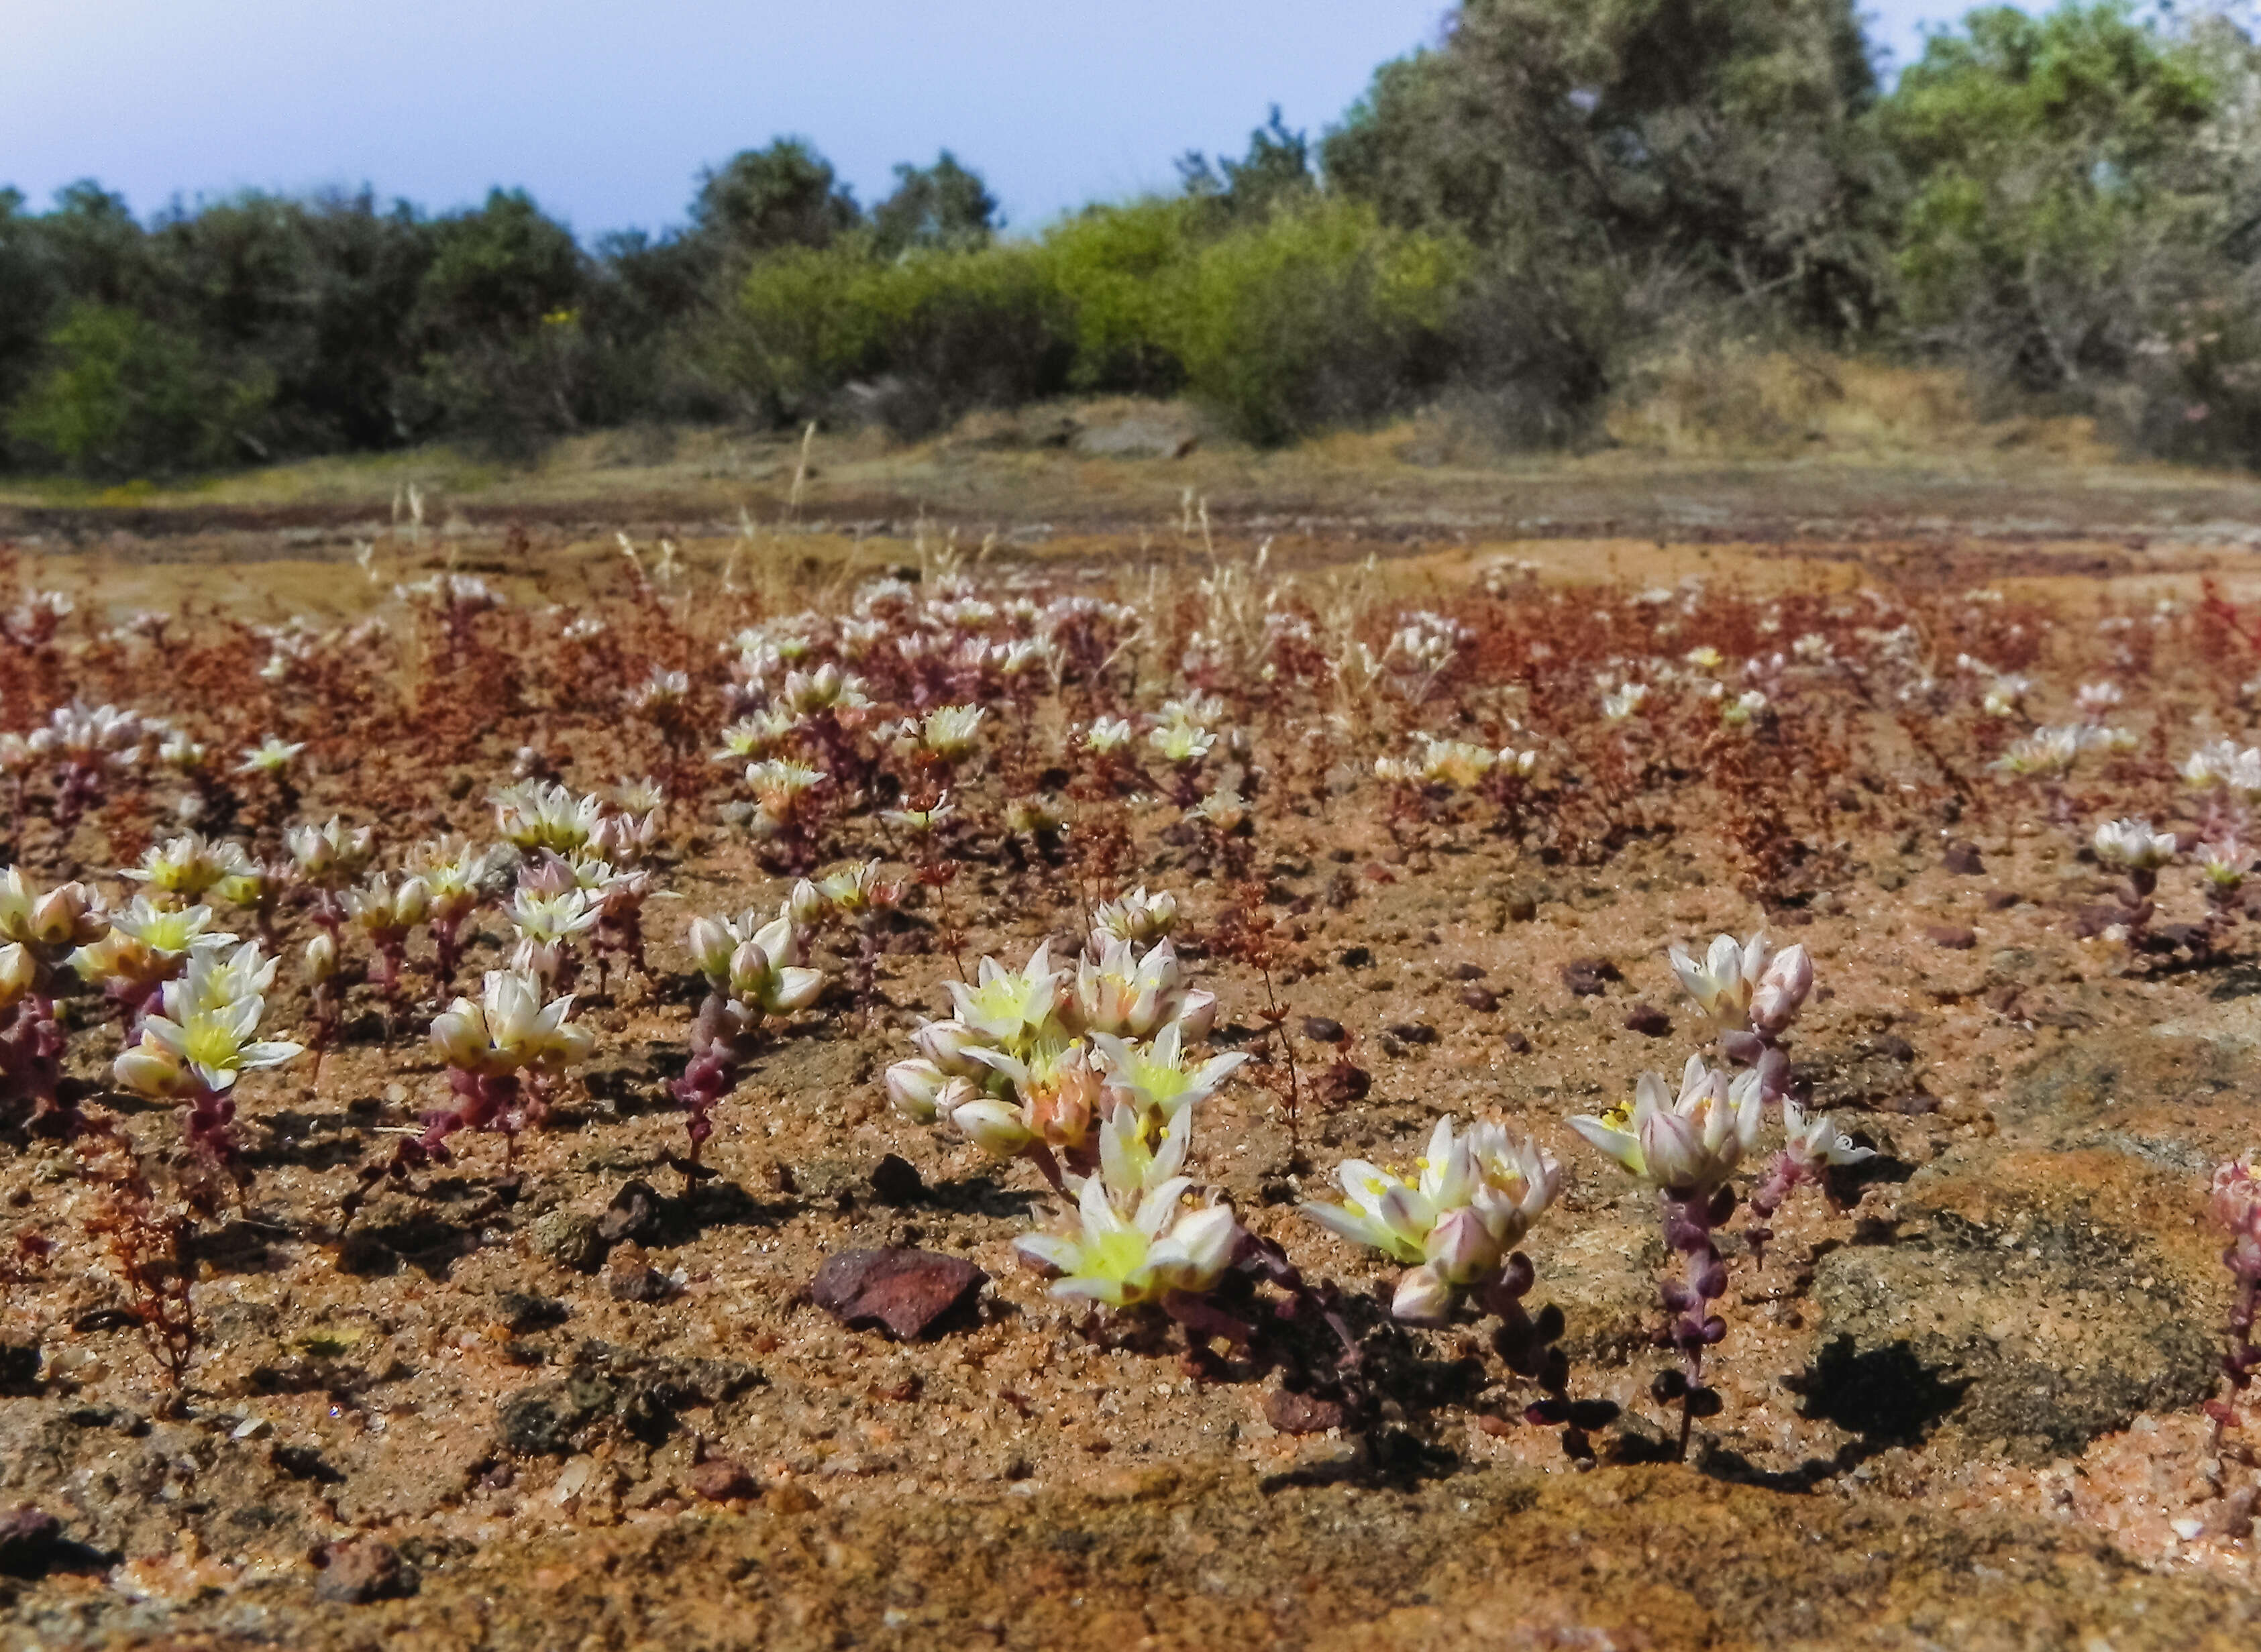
(2133, 845)
(535, 814)
(188, 867)
(1104, 1257)
(510, 1028)
(1687, 1144)
(1181, 743)
(1622, 703)
(1159, 1079)
(1012, 1008)
(951, 731)
(273, 757)
(330, 855)
(62, 917)
(205, 1040)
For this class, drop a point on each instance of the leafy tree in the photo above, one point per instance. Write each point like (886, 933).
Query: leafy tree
(760, 200)
(1276, 169)
(2065, 170)
(498, 311)
(1712, 142)
(944, 207)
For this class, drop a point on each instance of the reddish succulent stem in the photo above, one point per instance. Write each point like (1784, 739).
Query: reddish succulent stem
(1690, 1216)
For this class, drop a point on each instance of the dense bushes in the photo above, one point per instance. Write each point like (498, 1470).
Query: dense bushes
(1559, 203)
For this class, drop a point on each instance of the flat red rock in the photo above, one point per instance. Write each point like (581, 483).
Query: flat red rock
(905, 1292)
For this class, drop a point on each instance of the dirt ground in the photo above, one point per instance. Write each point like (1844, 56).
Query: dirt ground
(588, 1403)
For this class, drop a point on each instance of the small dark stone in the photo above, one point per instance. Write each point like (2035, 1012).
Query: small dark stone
(1520, 906)
(19, 1366)
(106, 1320)
(2002, 900)
(909, 1293)
(523, 1310)
(362, 1570)
(2094, 920)
(1357, 957)
(1294, 1413)
(1587, 976)
(304, 1463)
(633, 1214)
(1647, 1020)
(1517, 1044)
(895, 1180)
(1483, 1000)
(1413, 1031)
(718, 1480)
(1322, 1029)
(639, 1284)
(1468, 972)
(1952, 936)
(1892, 1045)
(30, 1541)
(1342, 1081)
(1961, 859)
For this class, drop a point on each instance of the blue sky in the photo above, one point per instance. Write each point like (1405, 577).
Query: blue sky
(605, 108)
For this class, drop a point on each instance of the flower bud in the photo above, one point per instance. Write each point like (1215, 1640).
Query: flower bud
(1780, 992)
(916, 1088)
(993, 1125)
(806, 904)
(711, 947)
(946, 1044)
(321, 958)
(148, 1069)
(1460, 1248)
(19, 971)
(1422, 1298)
(749, 971)
(62, 917)
(460, 1034)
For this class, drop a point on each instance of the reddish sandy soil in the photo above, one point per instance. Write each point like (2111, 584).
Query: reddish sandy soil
(583, 1404)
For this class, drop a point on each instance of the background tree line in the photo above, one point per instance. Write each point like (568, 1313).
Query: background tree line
(1507, 225)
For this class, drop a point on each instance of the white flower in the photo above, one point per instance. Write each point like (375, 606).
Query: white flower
(1136, 917)
(205, 1040)
(2132, 844)
(1817, 1142)
(1104, 1257)
(1620, 703)
(1181, 742)
(1722, 983)
(271, 756)
(1012, 1007)
(1474, 1199)
(1108, 734)
(510, 1028)
(330, 853)
(1690, 1142)
(950, 730)
(1158, 1079)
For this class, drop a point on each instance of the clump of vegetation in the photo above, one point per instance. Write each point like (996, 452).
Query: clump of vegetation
(1555, 206)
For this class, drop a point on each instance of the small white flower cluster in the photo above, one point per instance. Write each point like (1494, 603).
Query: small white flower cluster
(1035, 1056)
(1455, 1222)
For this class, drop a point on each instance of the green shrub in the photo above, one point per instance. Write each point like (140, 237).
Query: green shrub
(1318, 315)
(127, 397)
